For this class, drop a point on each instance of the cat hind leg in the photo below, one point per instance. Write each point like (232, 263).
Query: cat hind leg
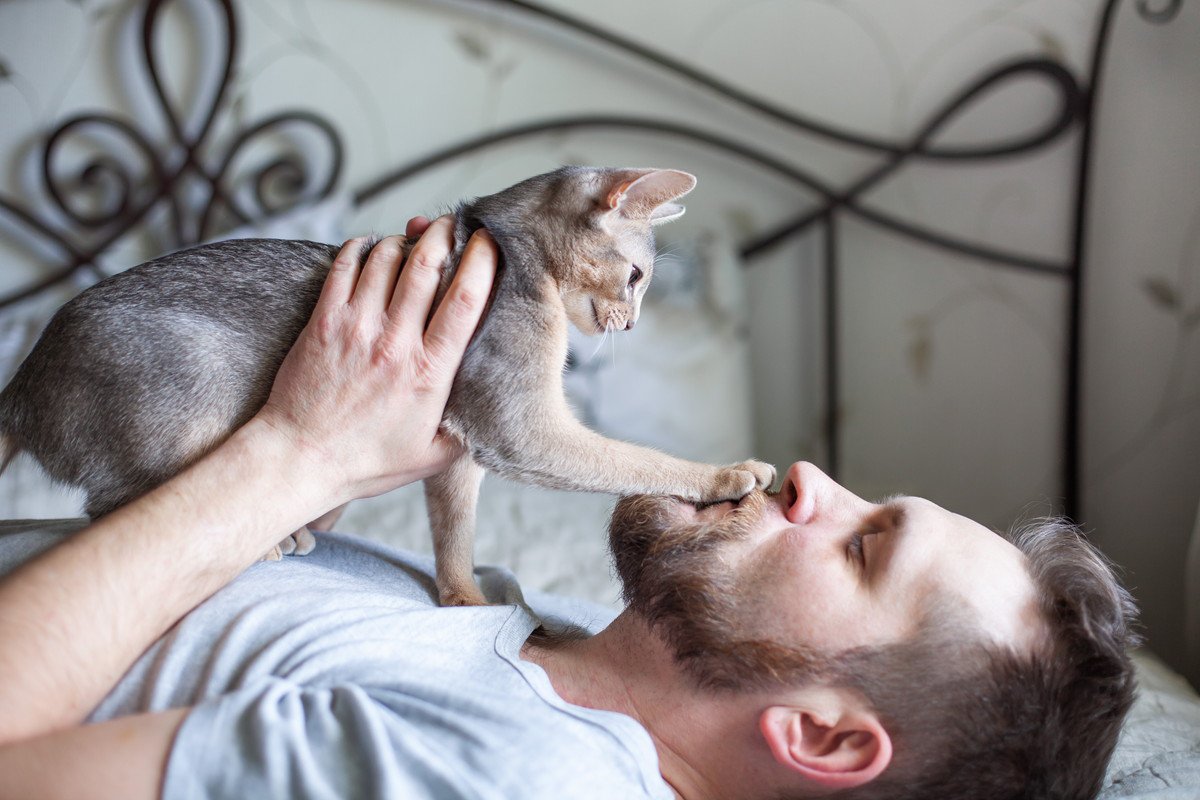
(451, 498)
(302, 541)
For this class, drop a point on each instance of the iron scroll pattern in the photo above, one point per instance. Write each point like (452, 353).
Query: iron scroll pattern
(161, 183)
(172, 174)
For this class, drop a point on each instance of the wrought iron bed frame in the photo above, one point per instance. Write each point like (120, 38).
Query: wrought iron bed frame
(130, 198)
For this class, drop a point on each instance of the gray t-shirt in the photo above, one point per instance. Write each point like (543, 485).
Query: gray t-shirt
(336, 675)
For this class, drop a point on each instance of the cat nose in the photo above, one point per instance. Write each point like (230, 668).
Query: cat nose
(629, 325)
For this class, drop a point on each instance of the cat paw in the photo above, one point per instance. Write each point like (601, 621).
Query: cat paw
(305, 542)
(274, 554)
(300, 543)
(764, 473)
(455, 596)
(738, 480)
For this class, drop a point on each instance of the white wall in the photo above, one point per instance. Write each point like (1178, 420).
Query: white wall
(952, 373)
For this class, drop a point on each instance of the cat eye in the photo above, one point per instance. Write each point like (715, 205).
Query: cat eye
(635, 275)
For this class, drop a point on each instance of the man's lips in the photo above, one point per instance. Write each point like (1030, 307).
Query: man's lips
(753, 503)
(715, 511)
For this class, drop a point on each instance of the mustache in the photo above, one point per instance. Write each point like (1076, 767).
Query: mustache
(661, 517)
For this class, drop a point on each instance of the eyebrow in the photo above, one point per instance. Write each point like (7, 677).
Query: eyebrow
(894, 509)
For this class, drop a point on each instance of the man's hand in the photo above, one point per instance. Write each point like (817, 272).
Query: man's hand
(354, 411)
(363, 390)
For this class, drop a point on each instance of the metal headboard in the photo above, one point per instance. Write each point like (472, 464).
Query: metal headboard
(196, 165)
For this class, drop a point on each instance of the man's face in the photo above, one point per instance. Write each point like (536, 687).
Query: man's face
(814, 567)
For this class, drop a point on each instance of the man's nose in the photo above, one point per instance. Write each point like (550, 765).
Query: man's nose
(808, 492)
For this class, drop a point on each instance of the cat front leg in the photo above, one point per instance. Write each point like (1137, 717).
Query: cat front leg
(451, 498)
(559, 452)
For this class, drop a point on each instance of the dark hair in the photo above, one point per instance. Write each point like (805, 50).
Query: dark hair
(977, 721)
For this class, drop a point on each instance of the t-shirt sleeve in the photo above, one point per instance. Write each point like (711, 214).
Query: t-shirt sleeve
(280, 739)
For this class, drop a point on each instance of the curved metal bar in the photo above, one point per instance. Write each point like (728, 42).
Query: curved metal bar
(724, 144)
(1070, 108)
(778, 113)
(98, 167)
(52, 235)
(133, 196)
(274, 121)
(833, 360)
(483, 141)
(149, 22)
(1073, 419)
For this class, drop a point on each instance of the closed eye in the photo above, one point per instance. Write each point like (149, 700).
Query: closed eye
(635, 275)
(854, 547)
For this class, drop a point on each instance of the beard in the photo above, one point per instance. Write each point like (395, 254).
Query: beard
(674, 578)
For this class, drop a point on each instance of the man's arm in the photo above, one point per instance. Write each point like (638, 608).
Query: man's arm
(354, 411)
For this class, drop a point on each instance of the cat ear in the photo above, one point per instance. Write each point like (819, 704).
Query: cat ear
(648, 195)
(665, 213)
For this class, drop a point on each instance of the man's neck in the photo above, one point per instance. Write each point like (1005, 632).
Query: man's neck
(626, 668)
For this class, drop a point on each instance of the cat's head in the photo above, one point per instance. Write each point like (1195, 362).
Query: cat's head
(603, 269)
(591, 230)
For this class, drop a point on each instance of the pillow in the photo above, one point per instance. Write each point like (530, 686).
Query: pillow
(1158, 754)
(680, 380)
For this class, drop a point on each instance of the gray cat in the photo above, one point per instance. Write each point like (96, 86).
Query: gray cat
(151, 369)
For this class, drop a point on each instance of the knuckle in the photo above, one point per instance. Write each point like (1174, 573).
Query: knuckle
(389, 249)
(326, 328)
(346, 260)
(464, 303)
(387, 355)
(362, 334)
(425, 261)
(428, 366)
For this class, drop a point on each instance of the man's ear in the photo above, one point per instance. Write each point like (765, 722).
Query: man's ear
(833, 744)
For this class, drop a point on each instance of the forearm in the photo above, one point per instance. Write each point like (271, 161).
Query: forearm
(75, 619)
(354, 410)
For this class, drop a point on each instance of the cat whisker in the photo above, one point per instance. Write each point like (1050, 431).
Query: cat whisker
(669, 258)
(600, 343)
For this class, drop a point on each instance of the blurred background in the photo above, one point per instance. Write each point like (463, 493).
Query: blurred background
(951, 363)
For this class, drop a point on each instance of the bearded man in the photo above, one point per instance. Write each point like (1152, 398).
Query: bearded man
(792, 645)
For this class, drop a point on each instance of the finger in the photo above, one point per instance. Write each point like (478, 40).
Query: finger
(418, 282)
(343, 274)
(378, 276)
(415, 227)
(459, 313)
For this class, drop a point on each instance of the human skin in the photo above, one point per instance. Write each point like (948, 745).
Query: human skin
(798, 579)
(354, 412)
